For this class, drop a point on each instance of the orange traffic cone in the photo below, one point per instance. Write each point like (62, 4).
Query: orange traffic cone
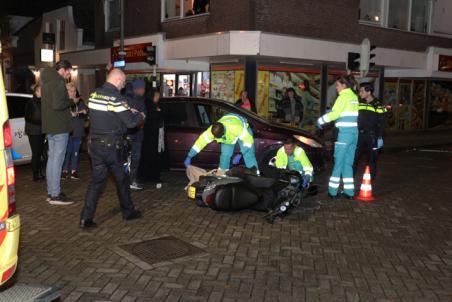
(365, 194)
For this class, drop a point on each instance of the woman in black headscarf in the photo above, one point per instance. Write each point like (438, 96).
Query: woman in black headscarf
(153, 143)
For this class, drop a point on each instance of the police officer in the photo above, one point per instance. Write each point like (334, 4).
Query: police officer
(371, 122)
(292, 157)
(229, 130)
(345, 113)
(110, 116)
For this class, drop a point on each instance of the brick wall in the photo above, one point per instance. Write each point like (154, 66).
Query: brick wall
(322, 19)
(334, 20)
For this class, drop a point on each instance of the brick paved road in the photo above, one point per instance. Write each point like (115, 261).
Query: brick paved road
(398, 248)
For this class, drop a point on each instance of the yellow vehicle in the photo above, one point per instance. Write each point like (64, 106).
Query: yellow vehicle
(9, 219)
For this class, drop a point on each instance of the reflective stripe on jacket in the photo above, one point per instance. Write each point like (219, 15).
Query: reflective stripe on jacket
(344, 111)
(235, 128)
(299, 155)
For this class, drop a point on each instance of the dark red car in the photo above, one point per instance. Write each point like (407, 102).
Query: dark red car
(187, 117)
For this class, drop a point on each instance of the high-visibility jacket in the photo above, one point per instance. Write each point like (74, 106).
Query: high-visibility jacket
(283, 161)
(235, 128)
(372, 117)
(344, 111)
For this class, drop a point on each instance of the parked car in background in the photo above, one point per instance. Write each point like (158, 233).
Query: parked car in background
(9, 219)
(187, 117)
(16, 110)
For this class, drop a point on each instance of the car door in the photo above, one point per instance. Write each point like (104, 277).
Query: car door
(181, 130)
(16, 112)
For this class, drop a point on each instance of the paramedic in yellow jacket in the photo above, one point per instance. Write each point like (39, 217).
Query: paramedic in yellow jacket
(292, 157)
(229, 130)
(345, 114)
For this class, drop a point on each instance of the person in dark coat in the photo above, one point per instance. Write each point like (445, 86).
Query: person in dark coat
(290, 109)
(136, 100)
(153, 144)
(34, 133)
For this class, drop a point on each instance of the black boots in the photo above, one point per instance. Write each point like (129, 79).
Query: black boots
(38, 176)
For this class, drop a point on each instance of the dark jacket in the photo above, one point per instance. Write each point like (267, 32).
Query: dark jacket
(136, 102)
(110, 114)
(151, 161)
(55, 105)
(285, 110)
(78, 122)
(33, 117)
(372, 117)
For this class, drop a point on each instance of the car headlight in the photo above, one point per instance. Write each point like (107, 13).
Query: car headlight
(308, 141)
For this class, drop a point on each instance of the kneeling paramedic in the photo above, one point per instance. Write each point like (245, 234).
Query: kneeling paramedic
(110, 116)
(345, 113)
(292, 157)
(229, 130)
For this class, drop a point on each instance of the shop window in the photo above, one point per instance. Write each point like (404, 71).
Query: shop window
(183, 85)
(112, 12)
(272, 95)
(440, 109)
(175, 9)
(227, 84)
(370, 11)
(202, 84)
(169, 85)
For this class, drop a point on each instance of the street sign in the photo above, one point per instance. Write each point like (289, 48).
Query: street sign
(132, 53)
(48, 38)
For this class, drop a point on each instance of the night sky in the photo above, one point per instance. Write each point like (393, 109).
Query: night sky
(83, 11)
(32, 8)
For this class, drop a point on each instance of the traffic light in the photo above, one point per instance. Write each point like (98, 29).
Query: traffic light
(353, 61)
(371, 56)
(150, 53)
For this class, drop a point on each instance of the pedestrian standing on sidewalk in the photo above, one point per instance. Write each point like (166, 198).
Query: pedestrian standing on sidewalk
(371, 123)
(154, 142)
(79, 113)
(135, 99)
(345, 113)
(110, 116)
(33, 130)
(57, 124)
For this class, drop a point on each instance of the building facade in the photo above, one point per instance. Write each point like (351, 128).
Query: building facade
(218, 48)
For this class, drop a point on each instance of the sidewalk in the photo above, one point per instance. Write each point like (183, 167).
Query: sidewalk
(417, 138)
(409, 139)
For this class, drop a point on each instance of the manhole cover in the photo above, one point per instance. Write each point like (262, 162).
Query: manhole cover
(161, 249)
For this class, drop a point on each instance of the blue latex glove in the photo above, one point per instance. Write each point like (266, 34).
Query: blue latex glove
(187, 162)
(306, 181)
(236, 159)
(379, 142)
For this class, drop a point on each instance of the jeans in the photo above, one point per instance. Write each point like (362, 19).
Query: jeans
(72, 154)
(57, 150)
(135, 155)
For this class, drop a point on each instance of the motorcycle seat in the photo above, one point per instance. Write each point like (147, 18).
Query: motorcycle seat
(259, 182)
